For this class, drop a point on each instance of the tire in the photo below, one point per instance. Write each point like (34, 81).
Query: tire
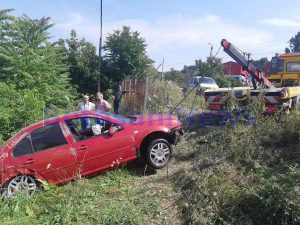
(23, 184)
(296, 102)
(158, 153)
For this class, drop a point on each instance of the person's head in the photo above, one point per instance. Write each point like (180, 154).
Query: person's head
(99, 96)
(85, 99)
(120, 86)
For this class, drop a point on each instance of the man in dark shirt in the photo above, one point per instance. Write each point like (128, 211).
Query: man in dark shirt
(117, 96)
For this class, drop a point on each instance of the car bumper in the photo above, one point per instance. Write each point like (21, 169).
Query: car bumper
(177, 133)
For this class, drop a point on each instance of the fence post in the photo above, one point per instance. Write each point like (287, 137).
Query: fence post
(135, 96)
(146, 89)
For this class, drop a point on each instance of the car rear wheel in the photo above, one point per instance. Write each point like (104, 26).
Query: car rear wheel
(21, 184)
(158, 153)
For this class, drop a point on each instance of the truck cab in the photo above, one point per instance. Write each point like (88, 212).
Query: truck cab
(285, 70)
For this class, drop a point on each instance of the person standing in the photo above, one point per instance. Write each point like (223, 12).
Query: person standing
(101, 104)
(83, 106)
(117, 96)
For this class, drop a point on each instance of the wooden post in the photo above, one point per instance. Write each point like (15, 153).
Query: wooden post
(146, 94)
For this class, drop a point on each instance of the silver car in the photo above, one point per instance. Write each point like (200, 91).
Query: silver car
(206, 83)
(203, 83)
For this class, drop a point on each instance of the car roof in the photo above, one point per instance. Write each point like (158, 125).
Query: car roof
(234, 75)
(67, 116)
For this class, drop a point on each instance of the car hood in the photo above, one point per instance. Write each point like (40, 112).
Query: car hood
(156, 119)
(209, 85)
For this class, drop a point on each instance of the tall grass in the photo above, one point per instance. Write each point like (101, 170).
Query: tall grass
(242, 175)
(107, 199)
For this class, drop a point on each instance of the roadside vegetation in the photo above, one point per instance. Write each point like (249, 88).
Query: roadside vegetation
(242, 175)
(112, 198)
(227, 175)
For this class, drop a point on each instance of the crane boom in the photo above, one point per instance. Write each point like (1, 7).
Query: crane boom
(255, 73)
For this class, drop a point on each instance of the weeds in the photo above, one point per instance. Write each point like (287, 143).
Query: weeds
(107, 199)
(242, 175)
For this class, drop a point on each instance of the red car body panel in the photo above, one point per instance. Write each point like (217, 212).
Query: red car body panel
(61, 164)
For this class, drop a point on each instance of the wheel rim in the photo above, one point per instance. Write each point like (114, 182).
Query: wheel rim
(24, 184)
(160, 154)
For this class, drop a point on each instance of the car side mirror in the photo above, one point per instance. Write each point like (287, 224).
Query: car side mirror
(112, 130)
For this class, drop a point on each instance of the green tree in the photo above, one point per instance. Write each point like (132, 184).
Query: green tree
(175, 75)
(125, 54)
(295, 43)
(30, 61)
(261, 63)
(83, 63)
(213, 67)
(32, 72)
(189, 70)
(18, 109)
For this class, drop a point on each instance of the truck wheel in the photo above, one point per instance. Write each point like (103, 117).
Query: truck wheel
(296, 102)
(158, 153)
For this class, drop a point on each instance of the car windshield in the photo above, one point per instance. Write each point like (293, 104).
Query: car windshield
(116, 117)
(207, 80)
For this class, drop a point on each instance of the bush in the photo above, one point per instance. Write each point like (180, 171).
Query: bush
(162, 96)
(18, 109)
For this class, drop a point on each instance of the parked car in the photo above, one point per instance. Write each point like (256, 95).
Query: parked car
(243, 80)
(203, 83)
(59, 149)
(206, 83)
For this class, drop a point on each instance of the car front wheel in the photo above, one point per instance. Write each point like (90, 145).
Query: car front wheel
(21, 184)
(158, 153)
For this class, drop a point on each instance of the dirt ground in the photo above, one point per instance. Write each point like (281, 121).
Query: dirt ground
(163, 186)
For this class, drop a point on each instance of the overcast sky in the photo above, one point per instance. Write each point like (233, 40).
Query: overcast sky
(178, 31)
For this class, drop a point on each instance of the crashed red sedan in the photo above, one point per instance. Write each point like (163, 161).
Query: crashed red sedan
(60, 149)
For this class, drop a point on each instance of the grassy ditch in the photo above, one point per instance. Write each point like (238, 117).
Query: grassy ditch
(242, 175)
(107, 199)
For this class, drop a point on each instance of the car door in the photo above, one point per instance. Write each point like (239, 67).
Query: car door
(101, 151)
(47, 152)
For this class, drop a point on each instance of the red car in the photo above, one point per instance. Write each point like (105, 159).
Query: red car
(60, 149)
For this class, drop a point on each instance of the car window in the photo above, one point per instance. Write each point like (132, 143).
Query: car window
(24, 147)
(121, 119)
(43, 138)
(88, 127)
(46, 137)
(209, 80)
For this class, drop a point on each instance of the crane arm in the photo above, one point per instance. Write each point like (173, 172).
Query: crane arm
(232, 51)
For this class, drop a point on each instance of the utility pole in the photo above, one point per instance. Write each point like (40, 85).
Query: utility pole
(248, 54)
(162, 68)
(100, 47)
(211, 49)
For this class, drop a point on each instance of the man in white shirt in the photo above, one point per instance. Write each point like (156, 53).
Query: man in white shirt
(85, 104)
(82, 106)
